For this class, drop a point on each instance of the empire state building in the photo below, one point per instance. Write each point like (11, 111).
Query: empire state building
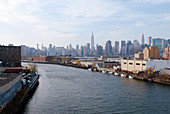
(92, 42)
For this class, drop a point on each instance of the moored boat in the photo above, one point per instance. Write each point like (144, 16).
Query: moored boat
(110, 72)
(94, 70)
(103, 71)
(29, 81)
(122, 75)
(116, 74)
(130, 77)
(90, 69)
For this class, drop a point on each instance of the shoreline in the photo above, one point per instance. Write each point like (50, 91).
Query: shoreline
(160, 81)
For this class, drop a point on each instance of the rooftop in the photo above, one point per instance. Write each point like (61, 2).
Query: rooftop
(6, 78)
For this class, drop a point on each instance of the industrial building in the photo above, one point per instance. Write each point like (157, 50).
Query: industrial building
(143, 65)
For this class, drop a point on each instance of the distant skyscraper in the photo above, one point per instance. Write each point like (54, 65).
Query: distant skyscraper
(137, 47)
(160, 43)
(50, 46)
(143, 42)
(42, 47)
(124, 51)
(51, 50)
(108, 48)
(123, 44)
(88, 46)
(99, 50)
(131, 50)
(70, 47)
(92, 42)
(127, 46)
(77, 47)
(116, 47)
(96, 46)
(81, 50)
(37, 46)
(149, 40)
(85, 51)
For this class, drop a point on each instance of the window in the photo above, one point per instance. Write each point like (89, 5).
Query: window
(130, 63)
(143, 64)
(137, 63)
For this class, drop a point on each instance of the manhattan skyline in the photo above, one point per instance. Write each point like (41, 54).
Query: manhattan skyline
(71, 22)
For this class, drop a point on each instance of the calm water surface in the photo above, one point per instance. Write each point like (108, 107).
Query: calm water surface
(65, 90)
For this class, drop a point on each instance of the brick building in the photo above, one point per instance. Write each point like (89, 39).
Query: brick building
(10, 56)
(151, 52)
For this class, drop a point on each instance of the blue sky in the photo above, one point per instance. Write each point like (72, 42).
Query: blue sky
(61, 22)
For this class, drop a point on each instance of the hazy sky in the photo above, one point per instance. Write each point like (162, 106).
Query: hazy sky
(62, 22)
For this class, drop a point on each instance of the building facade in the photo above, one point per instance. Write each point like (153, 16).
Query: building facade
(116, 47)
(149, 41)
(123, 44)
(136, 66)
(92, 42)
(99, 50)
(143, 41)
(139, 56)
(127, 47)
(160, 43)
(108, 48)
(10, 56)
(151, 52)
(166, 53)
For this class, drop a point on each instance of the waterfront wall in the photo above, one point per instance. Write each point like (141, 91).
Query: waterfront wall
(9, 91)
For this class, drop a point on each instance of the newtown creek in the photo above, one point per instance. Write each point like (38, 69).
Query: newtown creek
(68, 90)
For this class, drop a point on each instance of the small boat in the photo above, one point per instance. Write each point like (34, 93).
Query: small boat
(90, 69)
(110, 72)
(29, 81)
(123, 75)
(116, 74)
(130, 77)
(103, 71)
(94, 70)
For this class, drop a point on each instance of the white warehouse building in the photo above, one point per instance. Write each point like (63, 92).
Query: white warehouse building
(143, 65)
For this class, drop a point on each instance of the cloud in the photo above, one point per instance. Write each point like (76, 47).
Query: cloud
(92, 10)
(152, 1)
(62, 20)
(139, 24)
(166, 17)
(14, 12)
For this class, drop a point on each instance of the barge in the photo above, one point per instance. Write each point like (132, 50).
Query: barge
(14, 88)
